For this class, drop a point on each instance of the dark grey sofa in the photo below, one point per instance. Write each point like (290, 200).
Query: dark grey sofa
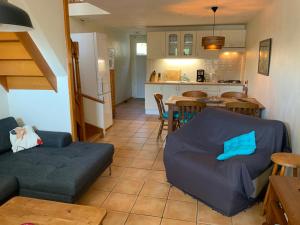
(227, 186)
(58, 170)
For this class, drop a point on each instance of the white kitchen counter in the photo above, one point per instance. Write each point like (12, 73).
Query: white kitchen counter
(194, 83)
(176, 88)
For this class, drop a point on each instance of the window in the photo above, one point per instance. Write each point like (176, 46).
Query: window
(141, 48)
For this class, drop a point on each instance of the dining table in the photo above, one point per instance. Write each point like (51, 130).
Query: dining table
(217, 102)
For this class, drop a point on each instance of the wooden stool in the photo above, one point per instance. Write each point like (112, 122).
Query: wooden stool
(285, 160)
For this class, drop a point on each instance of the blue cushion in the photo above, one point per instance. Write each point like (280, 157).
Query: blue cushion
(242, 145)
(175, 115)
(187, 117)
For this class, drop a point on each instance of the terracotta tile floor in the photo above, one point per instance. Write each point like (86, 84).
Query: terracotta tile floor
(137, 192)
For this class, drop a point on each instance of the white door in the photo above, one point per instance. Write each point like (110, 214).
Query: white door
(141, 68)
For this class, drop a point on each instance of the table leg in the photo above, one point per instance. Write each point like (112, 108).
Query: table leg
(170, 119)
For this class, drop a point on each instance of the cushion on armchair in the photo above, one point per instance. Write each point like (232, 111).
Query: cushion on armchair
(241, 145)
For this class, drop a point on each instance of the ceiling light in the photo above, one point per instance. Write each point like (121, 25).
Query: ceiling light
(213, 42)
(13, 19)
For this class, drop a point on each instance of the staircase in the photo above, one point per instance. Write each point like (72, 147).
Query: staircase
(22, 66)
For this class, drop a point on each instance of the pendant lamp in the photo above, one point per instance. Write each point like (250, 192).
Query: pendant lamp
(213, 42)
(13, 19)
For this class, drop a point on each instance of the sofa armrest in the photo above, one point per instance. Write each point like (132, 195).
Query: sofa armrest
(54, 139)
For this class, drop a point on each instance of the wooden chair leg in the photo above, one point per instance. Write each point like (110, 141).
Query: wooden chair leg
(282, 171)
(160, 129)
(295, 172)
(274, 172)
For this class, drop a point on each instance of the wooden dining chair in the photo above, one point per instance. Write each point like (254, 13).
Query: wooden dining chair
(195, 94)
(246, 108)
(163, 114)
(187, 110)
(233, 94)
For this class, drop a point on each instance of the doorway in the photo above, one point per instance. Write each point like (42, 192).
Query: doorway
(138, 65)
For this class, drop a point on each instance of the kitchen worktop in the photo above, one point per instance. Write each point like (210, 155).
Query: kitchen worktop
(194, 83)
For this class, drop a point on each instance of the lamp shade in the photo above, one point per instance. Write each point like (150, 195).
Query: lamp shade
(213, 42)
(13, 19)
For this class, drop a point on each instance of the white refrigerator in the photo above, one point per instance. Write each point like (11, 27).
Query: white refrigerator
(95, 78)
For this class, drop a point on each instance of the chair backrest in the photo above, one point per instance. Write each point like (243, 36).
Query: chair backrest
(233, 94)
(195, 94)
(246, 108)
(160, 105)
(188, 109)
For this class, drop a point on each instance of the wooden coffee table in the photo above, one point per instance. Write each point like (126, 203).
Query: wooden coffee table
(21, 210)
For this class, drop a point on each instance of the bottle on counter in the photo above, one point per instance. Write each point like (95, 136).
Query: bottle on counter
(153, 76)
(159, 77)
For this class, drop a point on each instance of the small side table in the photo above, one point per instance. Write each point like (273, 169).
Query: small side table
(283, 201)
(285, 160)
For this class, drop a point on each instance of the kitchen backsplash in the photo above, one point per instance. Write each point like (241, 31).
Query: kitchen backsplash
(228, 66)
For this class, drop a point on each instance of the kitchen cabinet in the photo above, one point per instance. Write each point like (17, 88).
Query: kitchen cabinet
(150, 103)
(234, 38)
(188, 43)
(181, 44)
(156, 42)
(173, 44)
(176, 89)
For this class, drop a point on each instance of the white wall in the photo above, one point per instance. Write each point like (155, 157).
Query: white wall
(120, 41)
(280, 91)
(46, 110)
(3, 103)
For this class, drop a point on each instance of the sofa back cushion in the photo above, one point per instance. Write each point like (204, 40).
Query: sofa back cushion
(6, 125)
(212, 127)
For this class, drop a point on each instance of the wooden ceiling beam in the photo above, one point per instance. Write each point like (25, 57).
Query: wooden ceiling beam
(38, 58)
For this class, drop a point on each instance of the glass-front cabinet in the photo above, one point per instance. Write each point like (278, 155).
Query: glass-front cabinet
(181, 44)
(173, 44)
(188, 43)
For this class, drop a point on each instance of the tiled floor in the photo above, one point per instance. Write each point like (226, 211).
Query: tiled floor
(137, 192)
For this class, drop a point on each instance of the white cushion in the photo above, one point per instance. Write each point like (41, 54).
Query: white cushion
(29, 140)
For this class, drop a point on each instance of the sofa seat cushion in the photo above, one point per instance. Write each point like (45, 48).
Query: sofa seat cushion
(64, 171)
(8, 187)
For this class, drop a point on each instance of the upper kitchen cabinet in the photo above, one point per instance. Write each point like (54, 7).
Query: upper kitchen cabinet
(156, 45)
(173, 44)
(188, 44)
(233, 38)
(181, 44)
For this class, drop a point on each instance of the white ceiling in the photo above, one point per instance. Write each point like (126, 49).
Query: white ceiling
(137, 14)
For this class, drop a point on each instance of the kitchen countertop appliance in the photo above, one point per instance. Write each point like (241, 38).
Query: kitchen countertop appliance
(200, 75)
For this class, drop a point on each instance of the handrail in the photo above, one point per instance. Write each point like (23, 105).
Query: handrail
(93, 99)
